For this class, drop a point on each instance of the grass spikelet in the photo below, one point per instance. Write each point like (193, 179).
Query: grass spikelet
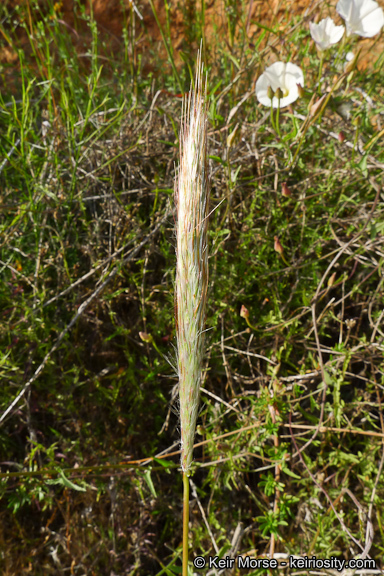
(191, 195)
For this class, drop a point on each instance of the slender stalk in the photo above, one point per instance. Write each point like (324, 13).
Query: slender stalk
(320, 71)
(278, 119)
(272, 119)
(167, 46)
(185, 523)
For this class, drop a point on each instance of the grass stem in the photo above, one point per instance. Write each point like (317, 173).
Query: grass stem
(185, 522)
(167, 47)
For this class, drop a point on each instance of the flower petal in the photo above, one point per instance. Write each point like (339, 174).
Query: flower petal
(326, 33)
(362, 17)
(283, 75)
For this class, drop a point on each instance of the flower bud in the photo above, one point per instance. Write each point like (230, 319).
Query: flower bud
(279, 93)
(232, 135)
(341, 137)
(300, 90)
(351, 66)
(277, 246)
(45, 126)
(331, 280)
(315, 108)
(148, 338)
(270, 92)
(244, 312)
(285, 190)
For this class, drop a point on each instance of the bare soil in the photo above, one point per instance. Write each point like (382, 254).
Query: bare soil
(112, 16)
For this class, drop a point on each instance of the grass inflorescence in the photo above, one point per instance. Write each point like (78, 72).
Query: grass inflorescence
(288, 454)
(192, 201)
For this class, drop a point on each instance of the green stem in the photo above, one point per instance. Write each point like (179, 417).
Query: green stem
(202, 28)
(278, 119)
(356, 139)
(170, 56)
(272, 120)
(320, 71)
(311, 120)
(284, 260)
(185, 523)
(250, 325)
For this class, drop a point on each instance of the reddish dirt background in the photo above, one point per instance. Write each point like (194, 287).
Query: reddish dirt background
(113, 15)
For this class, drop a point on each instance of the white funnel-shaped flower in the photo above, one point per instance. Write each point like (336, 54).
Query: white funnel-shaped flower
(326, 33)
(282, 76)
(362, 17)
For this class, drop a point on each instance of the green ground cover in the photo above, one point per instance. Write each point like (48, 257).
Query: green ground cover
(291, 424)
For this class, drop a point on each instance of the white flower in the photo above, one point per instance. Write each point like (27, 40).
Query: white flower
(326, 33)
(349, 57)
(283, 75)
(362, 17)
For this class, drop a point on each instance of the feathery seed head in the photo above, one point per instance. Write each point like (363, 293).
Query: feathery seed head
(191, 195)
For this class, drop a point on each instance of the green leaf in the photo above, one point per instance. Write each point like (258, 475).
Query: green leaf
(328, 378)
(64, 481)
(363, 165)
(148, 479)
(289, 472)
(346, 457)
(164, 463)
(173, 144)
(218, 159)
